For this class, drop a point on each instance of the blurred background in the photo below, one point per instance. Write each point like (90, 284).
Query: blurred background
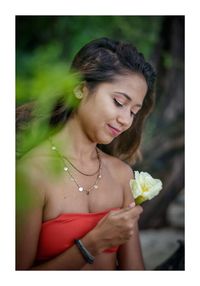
(46, 44)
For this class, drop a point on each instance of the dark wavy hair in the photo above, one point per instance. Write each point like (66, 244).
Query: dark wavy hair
(100, 61)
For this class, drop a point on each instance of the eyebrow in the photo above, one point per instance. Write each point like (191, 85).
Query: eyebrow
(127, 97)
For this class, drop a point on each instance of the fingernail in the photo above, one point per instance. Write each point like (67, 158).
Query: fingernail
(131, 205)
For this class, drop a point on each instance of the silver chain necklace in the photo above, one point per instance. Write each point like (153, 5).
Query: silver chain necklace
(66, 169)
(81, 171)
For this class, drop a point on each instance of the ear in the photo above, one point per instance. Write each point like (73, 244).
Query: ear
(78, 93)
(80, 90)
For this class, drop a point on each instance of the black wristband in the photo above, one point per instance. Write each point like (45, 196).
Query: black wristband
(86, 254)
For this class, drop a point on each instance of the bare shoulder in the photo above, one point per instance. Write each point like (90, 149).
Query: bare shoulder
(31, 173)
(121, 170)
(34, 161)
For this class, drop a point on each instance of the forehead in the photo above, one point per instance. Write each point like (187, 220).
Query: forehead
(131, 82)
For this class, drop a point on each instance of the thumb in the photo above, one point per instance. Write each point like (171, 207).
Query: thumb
(103, 219)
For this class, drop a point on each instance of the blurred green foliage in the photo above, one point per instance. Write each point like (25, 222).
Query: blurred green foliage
(63, 36)
(42, 75)
(44, 80)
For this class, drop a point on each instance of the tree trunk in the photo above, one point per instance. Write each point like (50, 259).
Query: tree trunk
(163, 141)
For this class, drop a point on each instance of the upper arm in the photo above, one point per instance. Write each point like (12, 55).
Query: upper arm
(126, 174)
(29, 206)
(130, 254)
(28, 229)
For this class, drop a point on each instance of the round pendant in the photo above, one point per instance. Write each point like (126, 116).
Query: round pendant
(65, 168)
(95, 187)
(80, 189)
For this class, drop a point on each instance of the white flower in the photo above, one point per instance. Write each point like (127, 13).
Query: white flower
(144, 187)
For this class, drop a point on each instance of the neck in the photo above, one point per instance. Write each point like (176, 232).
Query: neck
(74, 143)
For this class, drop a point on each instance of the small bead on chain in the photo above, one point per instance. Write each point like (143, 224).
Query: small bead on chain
(66, 169)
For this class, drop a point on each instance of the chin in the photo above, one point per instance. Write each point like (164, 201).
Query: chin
(104, 138)
(105, 141)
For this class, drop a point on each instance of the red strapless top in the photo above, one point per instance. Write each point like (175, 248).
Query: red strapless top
(58, 234)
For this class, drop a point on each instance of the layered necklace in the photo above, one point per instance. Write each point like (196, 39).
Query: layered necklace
(64, 159)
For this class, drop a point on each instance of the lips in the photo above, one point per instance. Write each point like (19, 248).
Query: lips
(113, 130)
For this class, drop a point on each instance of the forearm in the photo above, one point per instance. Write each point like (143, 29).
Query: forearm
(130, 254)
(126, 261)
(71, 259)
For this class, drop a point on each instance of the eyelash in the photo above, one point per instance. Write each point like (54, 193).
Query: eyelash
(117, 103)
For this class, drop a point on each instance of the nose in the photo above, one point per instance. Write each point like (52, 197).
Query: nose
(125, 119)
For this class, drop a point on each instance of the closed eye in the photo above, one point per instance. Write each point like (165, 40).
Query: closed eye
(117, 103)
(133, 114)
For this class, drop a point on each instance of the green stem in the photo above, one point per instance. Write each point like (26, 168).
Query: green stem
(139, 200)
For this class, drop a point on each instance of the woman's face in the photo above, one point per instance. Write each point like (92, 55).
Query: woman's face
(110, 110)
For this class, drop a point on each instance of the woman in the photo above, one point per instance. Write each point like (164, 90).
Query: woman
(85, 217)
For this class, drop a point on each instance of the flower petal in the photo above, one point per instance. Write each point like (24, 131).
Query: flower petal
(144, 186)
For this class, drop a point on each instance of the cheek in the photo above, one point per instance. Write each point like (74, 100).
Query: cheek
(94, 123)
(107, 110)
(102, 114)
(97, 113)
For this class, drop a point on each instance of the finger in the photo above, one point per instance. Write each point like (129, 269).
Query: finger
(137, 210)
(132, 212)
(130, 206)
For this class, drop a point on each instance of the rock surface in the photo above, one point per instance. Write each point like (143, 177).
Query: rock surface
(160, 244)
